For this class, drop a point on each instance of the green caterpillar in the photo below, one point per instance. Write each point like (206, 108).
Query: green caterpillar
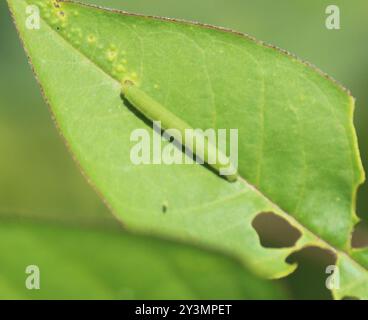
(154, 111)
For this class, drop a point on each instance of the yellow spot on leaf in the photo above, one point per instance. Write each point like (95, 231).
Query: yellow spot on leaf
(91, 39)
(111, 55)
(120, 68)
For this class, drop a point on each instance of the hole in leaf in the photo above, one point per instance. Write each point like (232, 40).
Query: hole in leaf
(308, 282)
(274, 231)
(360, 235)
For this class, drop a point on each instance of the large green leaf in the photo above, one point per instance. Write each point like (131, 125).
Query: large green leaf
(88, 263)
(298, 154)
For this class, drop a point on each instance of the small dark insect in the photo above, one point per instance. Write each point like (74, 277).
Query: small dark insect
(165, 206)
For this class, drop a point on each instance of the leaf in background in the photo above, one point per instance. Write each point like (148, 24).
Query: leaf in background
(297, 143)
(85, 263)
(30, 183)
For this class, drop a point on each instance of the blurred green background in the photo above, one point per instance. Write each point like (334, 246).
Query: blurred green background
(37, 174)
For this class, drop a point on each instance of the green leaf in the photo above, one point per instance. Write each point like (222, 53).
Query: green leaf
(298, 154)
(88, 263)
